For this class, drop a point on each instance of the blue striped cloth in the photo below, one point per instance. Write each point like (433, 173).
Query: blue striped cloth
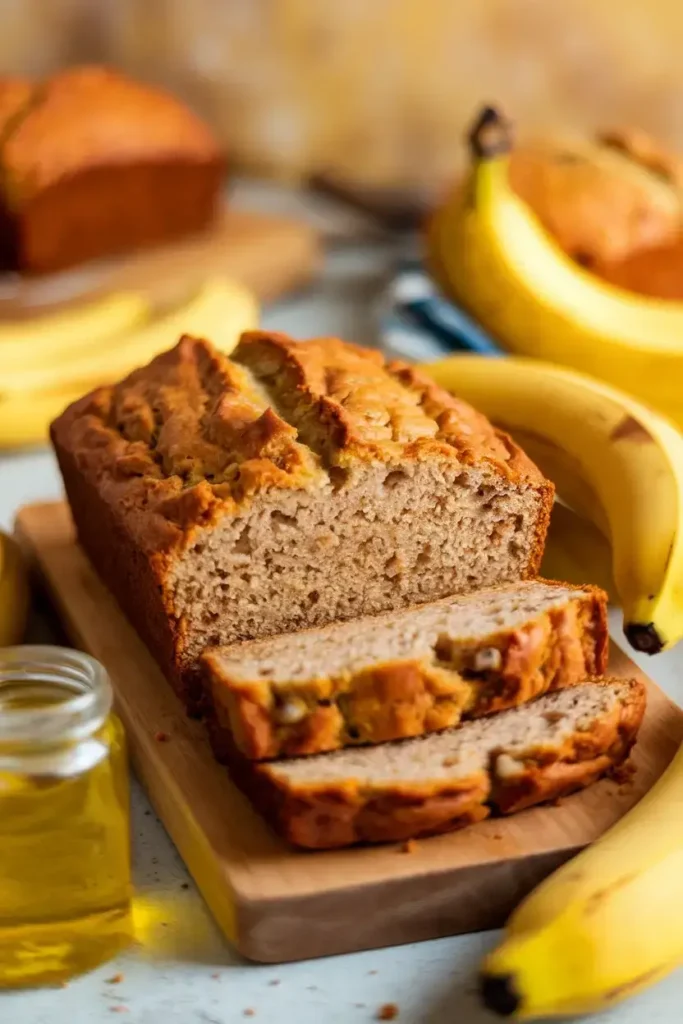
(419, 324)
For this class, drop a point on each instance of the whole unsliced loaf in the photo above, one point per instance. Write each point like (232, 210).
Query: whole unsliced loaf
(293, 485)
(559, 743)
(92, 163)
(405, 673)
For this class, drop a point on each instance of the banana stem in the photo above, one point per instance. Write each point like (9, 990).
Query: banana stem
(490, 135)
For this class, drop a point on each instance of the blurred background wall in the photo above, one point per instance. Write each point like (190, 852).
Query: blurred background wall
(378, 90)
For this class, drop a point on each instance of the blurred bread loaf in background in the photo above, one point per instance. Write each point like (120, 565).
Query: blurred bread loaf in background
(93, 163)
(379, 95)
(376, 91)
(604, 198)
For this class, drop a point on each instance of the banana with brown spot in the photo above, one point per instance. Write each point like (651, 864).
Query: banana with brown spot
(621, 462)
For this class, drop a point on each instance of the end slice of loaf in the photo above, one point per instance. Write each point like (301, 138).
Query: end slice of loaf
(559, 743)
(388, 677)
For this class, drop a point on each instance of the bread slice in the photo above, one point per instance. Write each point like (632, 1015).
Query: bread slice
(559, 743)
(414, 671)
(290, 486)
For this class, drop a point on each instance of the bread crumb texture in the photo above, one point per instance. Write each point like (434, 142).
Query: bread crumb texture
(292, 485)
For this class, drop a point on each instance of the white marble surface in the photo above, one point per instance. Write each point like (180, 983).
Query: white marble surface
(183, 971)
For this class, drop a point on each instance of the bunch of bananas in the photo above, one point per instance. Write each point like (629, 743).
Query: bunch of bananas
(604, 926)
(14, 592)
(490, 253)
(47, 363)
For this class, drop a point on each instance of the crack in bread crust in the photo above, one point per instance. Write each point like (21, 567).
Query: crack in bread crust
(357, 486)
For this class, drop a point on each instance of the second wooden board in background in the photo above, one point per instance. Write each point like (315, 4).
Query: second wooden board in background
(271, 255)
(275, 903)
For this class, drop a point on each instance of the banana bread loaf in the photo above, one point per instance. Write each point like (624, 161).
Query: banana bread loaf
(92, 163)
(414, 671)
(559, 743)
(293, 485)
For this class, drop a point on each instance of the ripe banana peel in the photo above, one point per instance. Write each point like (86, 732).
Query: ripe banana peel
(220, 311)
(489, 252)
(564, 469)
(628, 455)
(14, 592)
(32, 395)
(25, 419)
(603, 927)
(71, 330)
(577, 552)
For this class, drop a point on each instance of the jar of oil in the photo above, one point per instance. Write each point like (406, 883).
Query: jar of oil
(65, 892)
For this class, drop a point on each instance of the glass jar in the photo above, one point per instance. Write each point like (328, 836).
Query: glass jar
(65, 891)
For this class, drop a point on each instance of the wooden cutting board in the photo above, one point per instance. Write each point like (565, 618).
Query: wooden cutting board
(271, 255)
(274, 903)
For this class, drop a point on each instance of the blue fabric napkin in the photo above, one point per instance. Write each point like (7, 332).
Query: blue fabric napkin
(418, 323)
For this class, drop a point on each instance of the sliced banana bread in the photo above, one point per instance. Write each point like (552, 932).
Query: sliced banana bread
(295, 484)
(406, 673)
(559, 743)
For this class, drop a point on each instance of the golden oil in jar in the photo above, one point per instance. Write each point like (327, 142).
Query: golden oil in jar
(65, 890)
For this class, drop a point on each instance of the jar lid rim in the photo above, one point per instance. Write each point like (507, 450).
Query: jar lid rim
(77, 714)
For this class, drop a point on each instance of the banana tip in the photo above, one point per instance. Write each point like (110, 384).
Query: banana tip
(498, 993)
(644, 637)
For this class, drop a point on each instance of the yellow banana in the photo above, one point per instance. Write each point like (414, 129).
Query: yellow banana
(490, 252)
(49, 336)
(564, 469)
(220, 311)
(14, 592)
(631, 457)
(577, 552)
(604, 926)
(25, 419)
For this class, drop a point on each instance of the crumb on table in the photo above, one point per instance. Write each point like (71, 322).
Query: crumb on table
(115, 979)
(249, 1012)
(410, 846)
(161, 736)
(623, 774)
(387, 1012)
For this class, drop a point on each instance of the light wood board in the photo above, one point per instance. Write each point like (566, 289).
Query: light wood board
(271, 255)
(277, 904)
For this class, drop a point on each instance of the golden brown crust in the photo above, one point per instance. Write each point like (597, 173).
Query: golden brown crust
(192, 437)
(15, 94)
(85, 117)
(350, 405)
(346, 812)
(181, 442)
(398, 699)
(603, 199)
(645, 150)
(93, 163)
